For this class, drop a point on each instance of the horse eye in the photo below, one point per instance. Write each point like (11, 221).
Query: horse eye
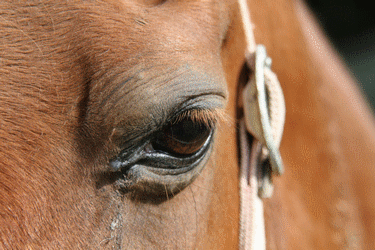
(182, 138)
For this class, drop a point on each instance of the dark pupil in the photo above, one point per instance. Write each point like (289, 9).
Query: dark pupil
(182, 138)
(187, 131)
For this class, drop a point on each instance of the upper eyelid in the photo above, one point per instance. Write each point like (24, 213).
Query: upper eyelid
(207, 107)
(209, 117)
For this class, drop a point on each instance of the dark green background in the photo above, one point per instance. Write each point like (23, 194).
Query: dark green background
(351, 26)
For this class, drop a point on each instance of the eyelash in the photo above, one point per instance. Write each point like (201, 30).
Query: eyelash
(206, 117)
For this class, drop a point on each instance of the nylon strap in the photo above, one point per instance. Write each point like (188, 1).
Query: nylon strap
(264, 117)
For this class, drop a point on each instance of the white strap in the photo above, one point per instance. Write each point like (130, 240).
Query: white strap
(264, 117)
(248, 27)
(252, 231)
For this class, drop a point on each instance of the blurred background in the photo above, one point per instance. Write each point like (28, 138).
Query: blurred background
(350, 24)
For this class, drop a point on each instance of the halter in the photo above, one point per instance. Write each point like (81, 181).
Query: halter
(264, 117)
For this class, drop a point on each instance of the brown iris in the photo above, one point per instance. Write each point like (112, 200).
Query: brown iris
(184, 137)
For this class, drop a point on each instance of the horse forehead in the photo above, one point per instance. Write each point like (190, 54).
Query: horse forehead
(170, 50)
(180, 19)
(153, 54)
(113, 36)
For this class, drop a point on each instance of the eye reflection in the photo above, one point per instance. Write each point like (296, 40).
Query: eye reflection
(182, 138)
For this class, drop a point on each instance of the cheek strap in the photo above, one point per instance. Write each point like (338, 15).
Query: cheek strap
(264, 118)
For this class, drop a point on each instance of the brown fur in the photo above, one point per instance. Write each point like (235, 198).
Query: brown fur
(64, 108)
(78, 77)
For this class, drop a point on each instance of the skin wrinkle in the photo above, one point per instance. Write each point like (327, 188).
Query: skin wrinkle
(150, 83)
(136, 86)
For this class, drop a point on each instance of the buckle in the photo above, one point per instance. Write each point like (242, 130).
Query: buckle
(264, 114)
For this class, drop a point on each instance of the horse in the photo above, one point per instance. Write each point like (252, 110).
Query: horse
(119, 127)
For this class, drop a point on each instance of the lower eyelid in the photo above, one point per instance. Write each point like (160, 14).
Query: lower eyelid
(187, 159)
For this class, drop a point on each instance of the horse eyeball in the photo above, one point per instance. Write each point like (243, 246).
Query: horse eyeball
(182, 138)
